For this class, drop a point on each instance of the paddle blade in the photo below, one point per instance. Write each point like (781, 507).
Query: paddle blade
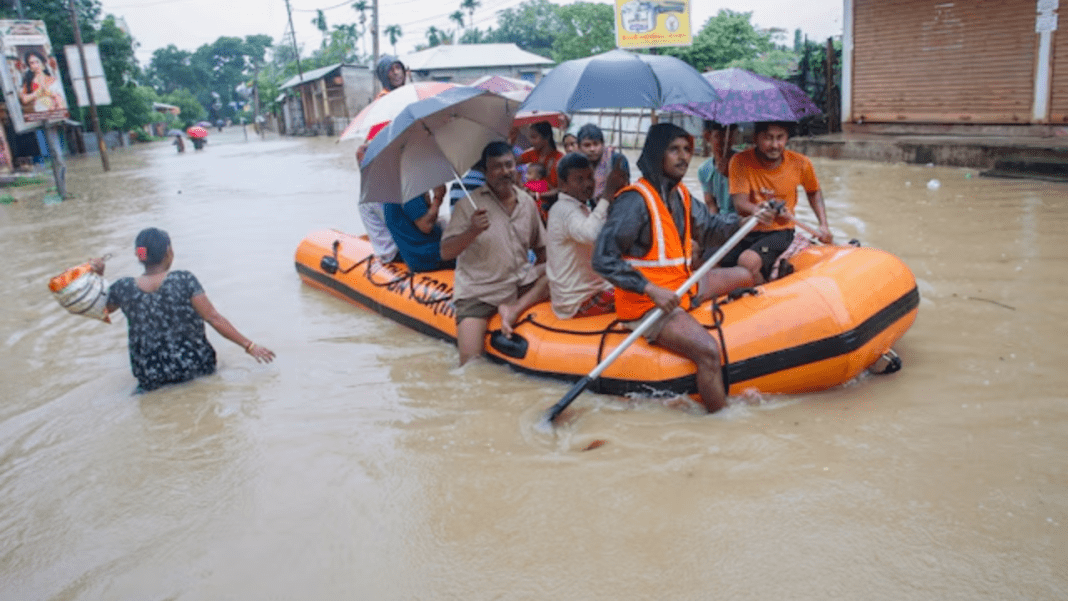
(567, 399)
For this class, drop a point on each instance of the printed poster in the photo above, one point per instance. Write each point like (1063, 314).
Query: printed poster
(653, 23)
(33, 87)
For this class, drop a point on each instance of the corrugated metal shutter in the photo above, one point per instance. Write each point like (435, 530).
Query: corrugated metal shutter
(968, 61)
(1059, 96)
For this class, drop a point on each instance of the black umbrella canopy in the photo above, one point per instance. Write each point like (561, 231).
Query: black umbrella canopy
(619, 79)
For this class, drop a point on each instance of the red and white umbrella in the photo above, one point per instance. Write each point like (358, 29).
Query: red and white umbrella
(197, 132)
(379, 113)
(522, 118)
(501, 84)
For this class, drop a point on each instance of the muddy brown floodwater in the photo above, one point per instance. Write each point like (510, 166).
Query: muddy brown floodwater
(363, 465)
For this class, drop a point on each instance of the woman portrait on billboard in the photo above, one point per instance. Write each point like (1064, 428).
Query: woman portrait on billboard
(41, 91)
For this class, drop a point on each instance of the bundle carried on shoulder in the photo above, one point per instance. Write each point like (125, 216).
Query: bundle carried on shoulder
(82, 291)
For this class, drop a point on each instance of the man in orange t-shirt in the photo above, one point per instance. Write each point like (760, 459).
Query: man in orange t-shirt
(765, 173)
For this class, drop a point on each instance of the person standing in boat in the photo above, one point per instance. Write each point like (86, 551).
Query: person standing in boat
(416, 231)
(165, 311)
(392, 74)
(490, 242)
(575, 288)
(604, 159)
(765, 173)
(543, 151)
(645, 250)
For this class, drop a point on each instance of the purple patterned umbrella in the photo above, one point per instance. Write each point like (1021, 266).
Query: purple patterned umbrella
(750, 97)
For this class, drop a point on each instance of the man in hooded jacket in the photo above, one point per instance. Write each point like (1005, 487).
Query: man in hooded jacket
(641, 252)
(391, 72)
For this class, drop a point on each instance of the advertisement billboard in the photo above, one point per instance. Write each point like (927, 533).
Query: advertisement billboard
(653, 23)
(33, 88)
(101, 95)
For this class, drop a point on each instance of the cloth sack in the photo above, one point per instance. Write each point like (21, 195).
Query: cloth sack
(82, 291)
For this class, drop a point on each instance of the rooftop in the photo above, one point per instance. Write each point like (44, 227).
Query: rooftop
(315, 75)
(463, 56)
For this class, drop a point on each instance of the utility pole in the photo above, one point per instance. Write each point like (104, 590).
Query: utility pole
(374, 43)
(89, 89)
(293, 37)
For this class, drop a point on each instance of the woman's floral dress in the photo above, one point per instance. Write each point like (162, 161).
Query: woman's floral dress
(166, 335)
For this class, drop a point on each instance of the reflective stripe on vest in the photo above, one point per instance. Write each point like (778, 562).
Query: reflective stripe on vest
(667, 262)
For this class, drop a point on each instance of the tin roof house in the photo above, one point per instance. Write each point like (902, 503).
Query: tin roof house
(323, 101)
(464, 63)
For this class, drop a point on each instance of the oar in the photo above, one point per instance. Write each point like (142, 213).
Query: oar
(653, 315)
(808, 228)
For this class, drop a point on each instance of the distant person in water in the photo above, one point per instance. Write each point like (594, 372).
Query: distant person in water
(165, 311)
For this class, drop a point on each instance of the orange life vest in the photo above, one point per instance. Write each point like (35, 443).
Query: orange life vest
(667, 263)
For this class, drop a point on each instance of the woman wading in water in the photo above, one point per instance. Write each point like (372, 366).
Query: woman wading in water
(166, 311)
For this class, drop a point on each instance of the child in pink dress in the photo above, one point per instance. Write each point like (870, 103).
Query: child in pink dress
(537, 183)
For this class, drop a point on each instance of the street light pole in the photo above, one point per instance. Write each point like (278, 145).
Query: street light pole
(89, 89)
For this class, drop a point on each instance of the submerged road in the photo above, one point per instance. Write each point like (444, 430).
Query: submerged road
(363, 465)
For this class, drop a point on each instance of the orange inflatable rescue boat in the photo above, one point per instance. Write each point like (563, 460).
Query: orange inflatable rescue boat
(836, 315)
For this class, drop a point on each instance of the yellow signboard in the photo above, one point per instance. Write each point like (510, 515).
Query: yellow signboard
(651, 23)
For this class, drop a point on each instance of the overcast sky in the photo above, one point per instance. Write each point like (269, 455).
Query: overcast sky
(190, 23)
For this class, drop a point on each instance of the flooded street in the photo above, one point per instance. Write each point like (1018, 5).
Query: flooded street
(362, 464)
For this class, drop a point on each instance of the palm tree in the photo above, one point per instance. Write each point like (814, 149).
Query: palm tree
(458, 17)
(433, 36)
(394, 32)
(470, 6)
(320, 23)
(347, 35)
(361, 6)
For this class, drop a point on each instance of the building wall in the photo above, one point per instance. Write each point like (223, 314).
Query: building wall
(359, 88)
(1059, 88)
(938, 61)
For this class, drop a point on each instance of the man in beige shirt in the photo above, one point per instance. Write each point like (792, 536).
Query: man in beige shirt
(490, 242)
(575, 288)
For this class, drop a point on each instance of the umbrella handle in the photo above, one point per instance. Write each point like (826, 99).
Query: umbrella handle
(464, 188)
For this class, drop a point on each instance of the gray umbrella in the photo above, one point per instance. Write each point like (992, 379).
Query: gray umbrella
(175, 132)
(619, 79)
(431, 141)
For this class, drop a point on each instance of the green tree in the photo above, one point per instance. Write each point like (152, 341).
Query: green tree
(170, 69)
(129, 109)
(224, 64)
(532, 25)
(191, 108)
(394, 32)
(777, 63)
(474, 35)
(434, 36)
(729, 36)
(470, 6)
(362, 6)
(586, 29)
(320, 23)
(458, 18)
